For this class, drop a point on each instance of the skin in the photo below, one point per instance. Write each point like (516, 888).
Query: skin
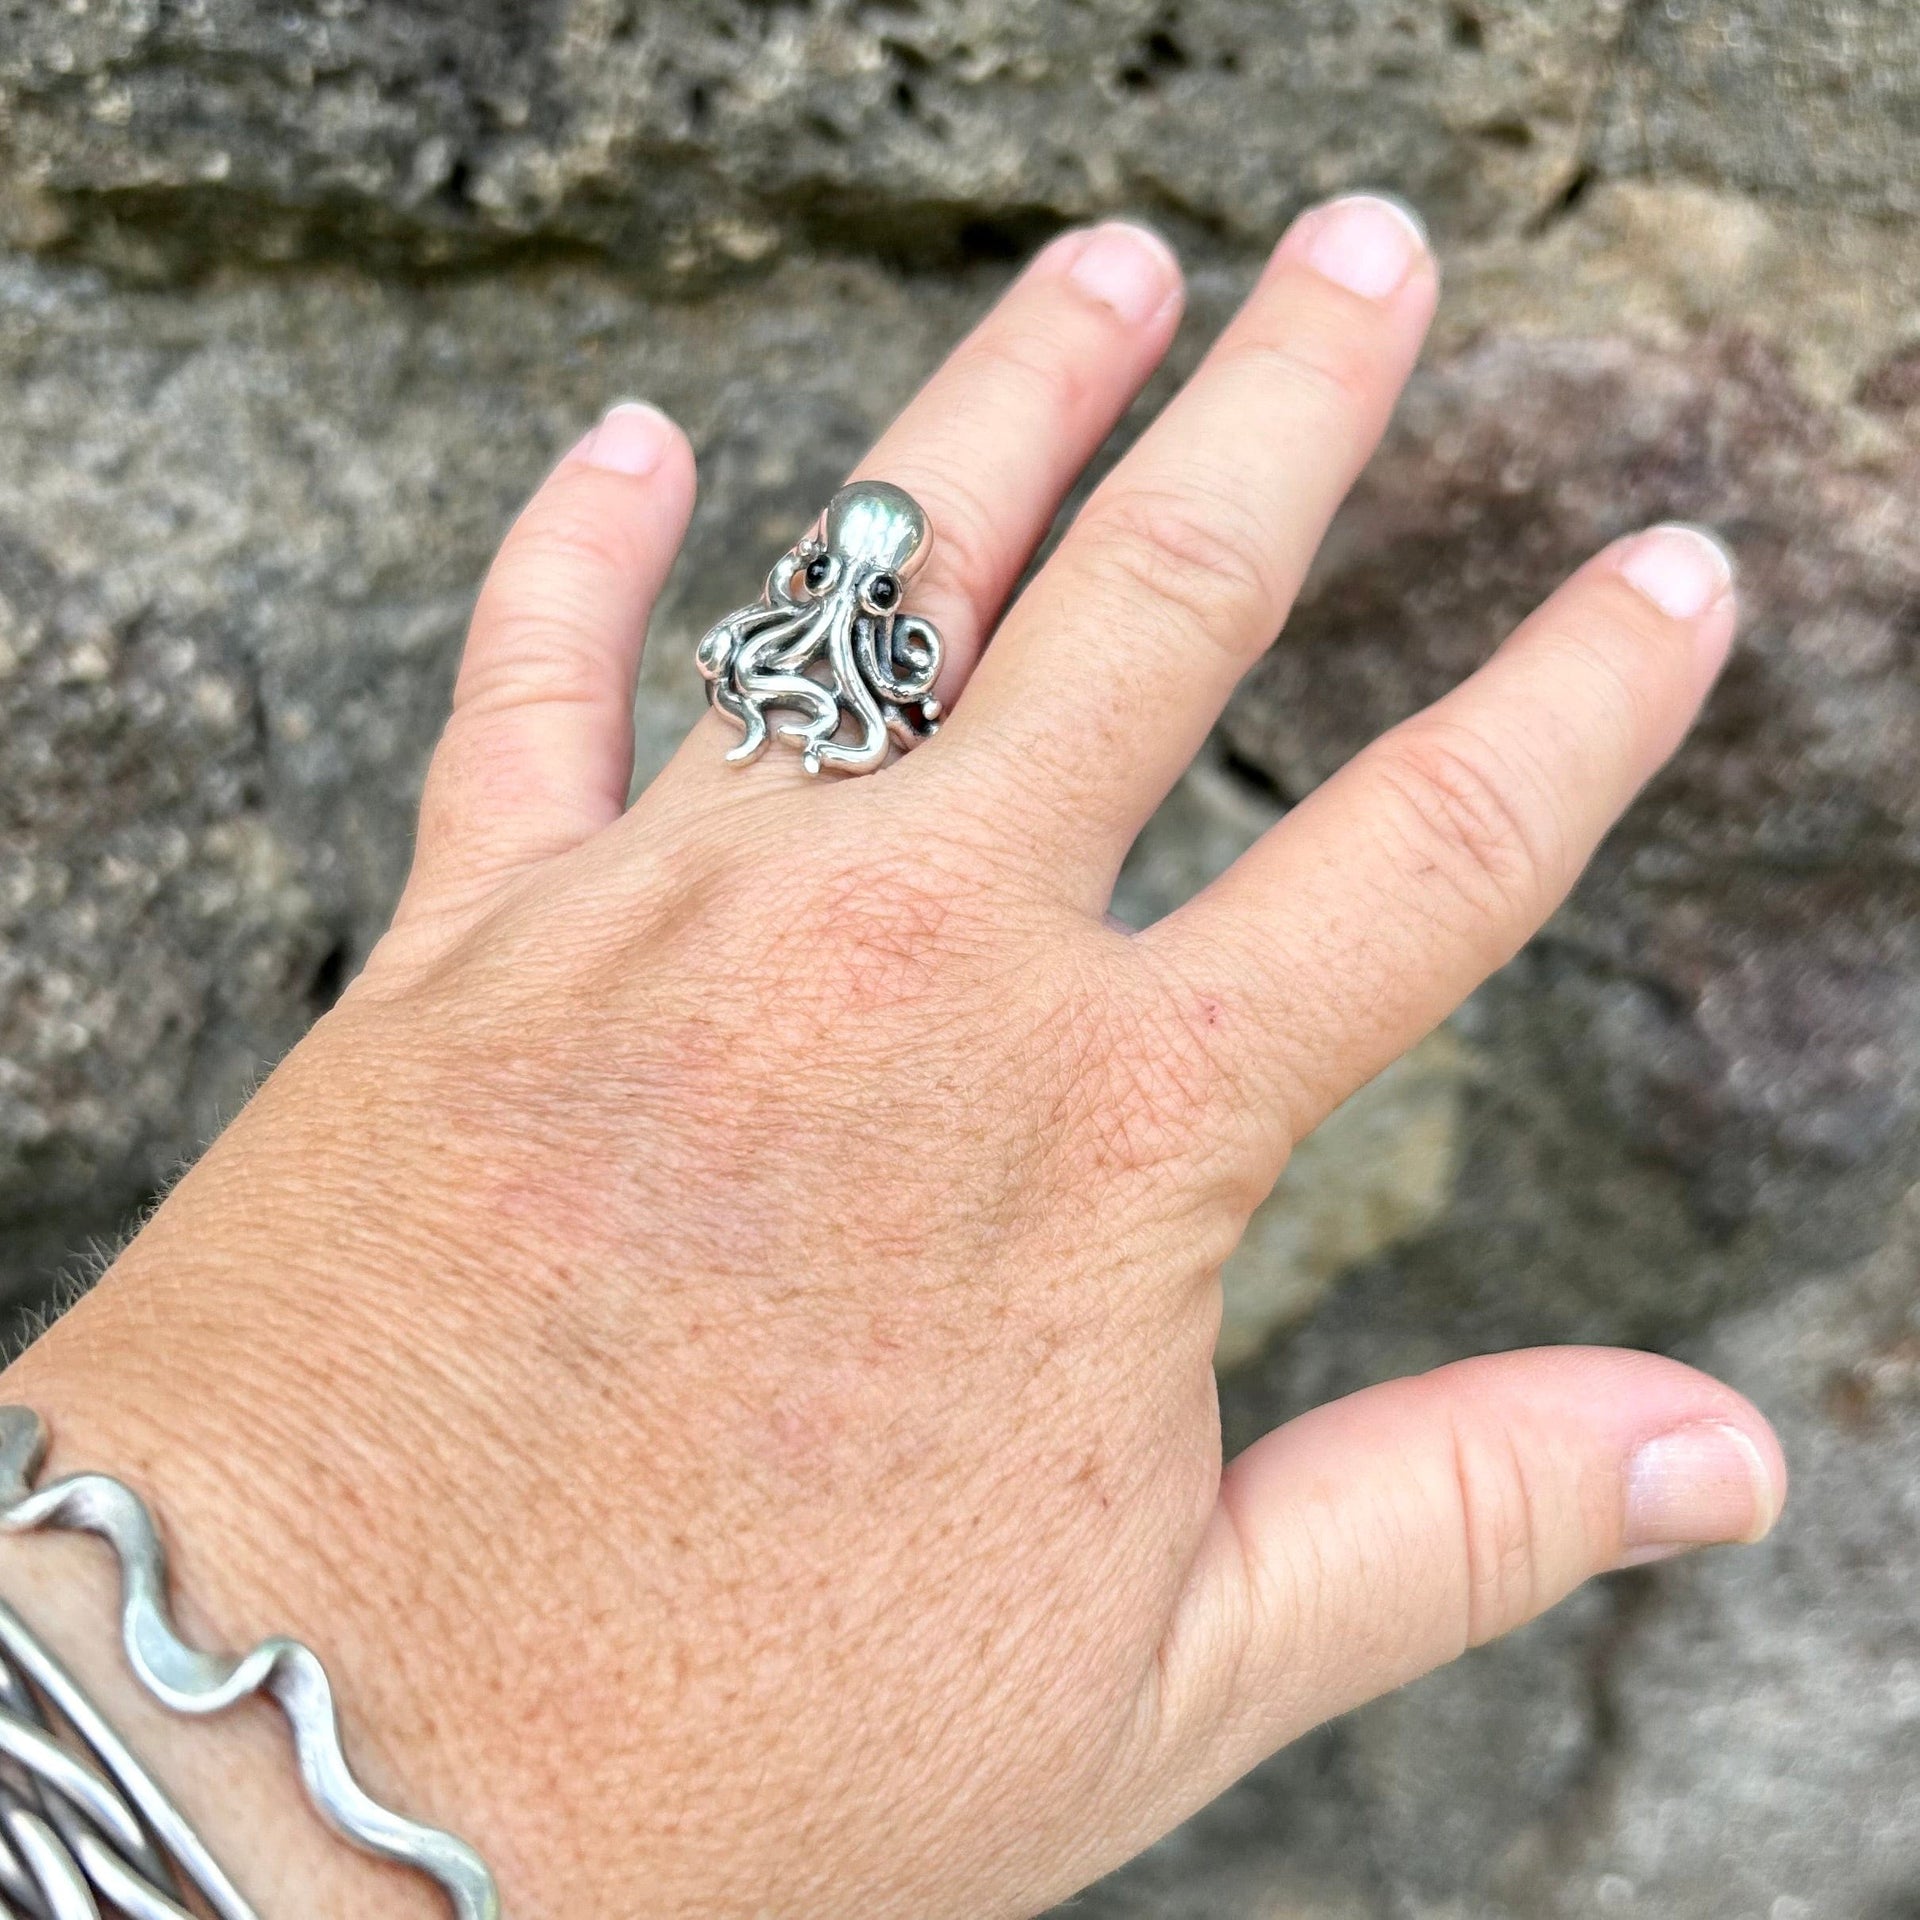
(711, 1337)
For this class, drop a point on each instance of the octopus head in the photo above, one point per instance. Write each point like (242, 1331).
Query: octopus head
(870, 541)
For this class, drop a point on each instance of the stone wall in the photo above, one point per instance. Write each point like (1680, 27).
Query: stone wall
(297, 301)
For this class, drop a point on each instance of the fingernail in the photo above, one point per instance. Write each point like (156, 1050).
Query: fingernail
(1698, 1486)
(1128, 269)
(630, 439)
(1365, 243)
(1680, 569)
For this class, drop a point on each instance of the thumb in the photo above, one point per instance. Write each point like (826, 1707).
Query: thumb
(1384, 1534)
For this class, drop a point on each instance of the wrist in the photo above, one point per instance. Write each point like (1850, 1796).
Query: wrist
(234, 1774)
(293, 1489)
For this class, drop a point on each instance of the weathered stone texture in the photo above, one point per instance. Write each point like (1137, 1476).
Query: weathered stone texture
(1810, 100)
(295, 304)
(693, 136)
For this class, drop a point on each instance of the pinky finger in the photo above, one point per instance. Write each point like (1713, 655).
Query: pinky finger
(538, 750)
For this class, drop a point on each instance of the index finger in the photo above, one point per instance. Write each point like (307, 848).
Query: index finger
(1380, 902)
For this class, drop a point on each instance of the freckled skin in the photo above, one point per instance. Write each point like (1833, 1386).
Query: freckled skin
(713, 1333)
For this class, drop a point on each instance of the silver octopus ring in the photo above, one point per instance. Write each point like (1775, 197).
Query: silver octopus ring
(828, 643)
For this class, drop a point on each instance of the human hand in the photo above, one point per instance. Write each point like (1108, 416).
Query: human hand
(712, 1335)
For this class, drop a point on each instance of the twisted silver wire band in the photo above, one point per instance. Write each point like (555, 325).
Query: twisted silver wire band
(82, 1823)
(190, 1681)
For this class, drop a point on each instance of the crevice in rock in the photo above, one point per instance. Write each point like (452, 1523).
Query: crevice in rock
(184, 237)
(1514, 133)
(455, 189)
(1566, 203)
(921, 237)
(1157, 55)
(1587, 1806)
(328, 979)
(1585, 172)
(1254, 779)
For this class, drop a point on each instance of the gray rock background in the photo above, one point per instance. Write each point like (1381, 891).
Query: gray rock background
(297, 301)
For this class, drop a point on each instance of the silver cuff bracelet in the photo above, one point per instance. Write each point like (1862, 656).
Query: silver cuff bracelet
(82, 1822)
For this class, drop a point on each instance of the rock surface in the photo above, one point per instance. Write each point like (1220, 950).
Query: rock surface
(296, 302)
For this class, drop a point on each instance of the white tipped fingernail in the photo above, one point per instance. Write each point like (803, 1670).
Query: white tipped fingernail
(1698, 1486)
(1365, 243)
(1680, 569)
(630, 439)
(1129, 270)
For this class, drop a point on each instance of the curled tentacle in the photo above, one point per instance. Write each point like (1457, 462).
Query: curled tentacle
(900, 659)
(743, 660)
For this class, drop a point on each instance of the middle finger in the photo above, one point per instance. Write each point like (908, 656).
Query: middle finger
(1106, 675)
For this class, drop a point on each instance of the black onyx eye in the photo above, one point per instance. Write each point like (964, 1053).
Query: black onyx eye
(819, 571)
(884, 591)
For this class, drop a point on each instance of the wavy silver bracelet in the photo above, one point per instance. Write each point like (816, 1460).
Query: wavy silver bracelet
(83, 1826)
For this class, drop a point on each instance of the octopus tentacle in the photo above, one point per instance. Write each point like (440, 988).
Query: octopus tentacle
(805, 644)
(767, 674)
(734, 656)
(885, 645)
(787, 569)
(715, 656)
(899, 640)
(857, 697)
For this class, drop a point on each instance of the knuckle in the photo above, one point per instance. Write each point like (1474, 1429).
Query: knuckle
(1465, 819)
(1325, 374)
(888, 936)
(1144, 1116)
(546, 627)
(1141, 1090)
(1188, 1033)
(1500, 1537)
(882, 932)
(543, 656)
(1626, 677)
(1203, 559)
(571, 530)
(1036, 369)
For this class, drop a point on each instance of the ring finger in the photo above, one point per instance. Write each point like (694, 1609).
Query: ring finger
(991, 444)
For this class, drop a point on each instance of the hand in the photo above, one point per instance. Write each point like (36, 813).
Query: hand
(712, 1336)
